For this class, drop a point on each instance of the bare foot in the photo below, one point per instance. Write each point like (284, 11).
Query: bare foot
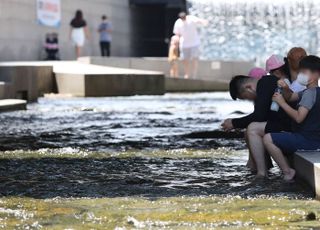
(258, 179)
(260, 176)
(288, 176)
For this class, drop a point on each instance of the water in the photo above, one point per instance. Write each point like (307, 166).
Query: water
(127, 162)
(253, 30)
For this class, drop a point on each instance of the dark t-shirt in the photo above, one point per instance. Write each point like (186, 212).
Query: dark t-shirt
(265, 89)
(78, 23)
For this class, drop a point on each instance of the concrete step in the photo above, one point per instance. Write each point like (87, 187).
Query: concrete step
(86, 80)
(29, 80)
(12, 105)
(307, 165)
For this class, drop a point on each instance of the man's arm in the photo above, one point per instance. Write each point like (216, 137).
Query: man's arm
(177, 28)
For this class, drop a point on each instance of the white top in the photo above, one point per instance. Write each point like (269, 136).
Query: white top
(187, 30)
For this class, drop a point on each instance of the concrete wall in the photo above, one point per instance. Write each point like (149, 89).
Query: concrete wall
(208, 70)
(25, 81)
(102, 85)
(21, 37)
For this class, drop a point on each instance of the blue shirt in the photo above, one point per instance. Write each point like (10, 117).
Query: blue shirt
(105, 36)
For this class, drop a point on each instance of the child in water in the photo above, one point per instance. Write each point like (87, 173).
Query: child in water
(174, 56)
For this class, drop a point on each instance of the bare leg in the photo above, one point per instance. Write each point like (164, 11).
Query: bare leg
(250, 164)
(78, 51)
(255, 135)
(277, 155)
(176, 69)
(194, 69)
(186, 68)
(172, 70)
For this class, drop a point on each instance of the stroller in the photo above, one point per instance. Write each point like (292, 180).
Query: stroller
(51, 47)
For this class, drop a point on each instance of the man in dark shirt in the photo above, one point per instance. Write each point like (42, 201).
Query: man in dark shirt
(262, 120)
(258, 91)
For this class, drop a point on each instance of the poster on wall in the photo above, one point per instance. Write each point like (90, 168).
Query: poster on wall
(49, 12)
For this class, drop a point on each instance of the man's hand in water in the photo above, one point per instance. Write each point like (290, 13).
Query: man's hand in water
(227, 125)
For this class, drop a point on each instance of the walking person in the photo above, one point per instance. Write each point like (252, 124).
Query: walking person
(78, 32)
(186, 28)
(105, 30)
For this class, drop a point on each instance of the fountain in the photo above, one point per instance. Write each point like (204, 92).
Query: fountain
(253, 30)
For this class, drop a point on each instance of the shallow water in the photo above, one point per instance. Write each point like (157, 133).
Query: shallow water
(127, 163)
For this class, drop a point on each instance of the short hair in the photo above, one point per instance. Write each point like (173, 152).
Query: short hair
(104, 17)
(236, 84)
(310, 62)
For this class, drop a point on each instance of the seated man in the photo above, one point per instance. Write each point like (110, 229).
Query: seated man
(306, 134)
(262, 120)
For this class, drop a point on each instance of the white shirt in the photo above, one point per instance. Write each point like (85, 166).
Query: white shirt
(187, 30)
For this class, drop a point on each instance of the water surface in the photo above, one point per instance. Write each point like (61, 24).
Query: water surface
(127, 162)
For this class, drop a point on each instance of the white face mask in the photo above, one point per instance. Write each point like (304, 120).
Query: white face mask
(303, 79)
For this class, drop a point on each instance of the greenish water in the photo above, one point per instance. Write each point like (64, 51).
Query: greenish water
(173, 213)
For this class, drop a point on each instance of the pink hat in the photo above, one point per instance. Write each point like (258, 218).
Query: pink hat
(257, 73)
(274, 62)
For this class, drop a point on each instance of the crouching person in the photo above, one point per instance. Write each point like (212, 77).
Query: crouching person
(262, 120)
(306, 134)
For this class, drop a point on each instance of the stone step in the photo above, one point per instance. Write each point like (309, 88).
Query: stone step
(12, 105)
(84, 80)
(307, 165)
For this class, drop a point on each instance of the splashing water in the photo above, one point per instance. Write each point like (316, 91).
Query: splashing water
(253, 30)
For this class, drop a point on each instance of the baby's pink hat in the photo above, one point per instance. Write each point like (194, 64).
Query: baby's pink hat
(274, 62)
(257, 73)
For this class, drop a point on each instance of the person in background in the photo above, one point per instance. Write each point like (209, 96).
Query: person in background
(174, 56)
(295, 55)
(105, 30)
(78, 32)
(257, 73)
(186, 28)
(52, 46)
(306, 136)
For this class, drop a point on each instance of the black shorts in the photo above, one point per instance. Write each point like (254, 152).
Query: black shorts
(277, 127)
